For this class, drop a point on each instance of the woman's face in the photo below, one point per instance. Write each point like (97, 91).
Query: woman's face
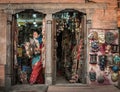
(35, 35)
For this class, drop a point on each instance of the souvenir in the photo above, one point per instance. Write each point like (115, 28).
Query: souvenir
(109, 37)
(115, 48)
(93, 35)
(100, 79)
(101, 37)
(115, 68)
(102, 48)
(114, 77)
(116, 59)
(93, 58)
(110, 59)
(92, 75)
(107, 71)
(108, 49)
(102, 62)
(28, 49)
(95, 46)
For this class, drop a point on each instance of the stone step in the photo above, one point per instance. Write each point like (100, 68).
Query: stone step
(29, 88)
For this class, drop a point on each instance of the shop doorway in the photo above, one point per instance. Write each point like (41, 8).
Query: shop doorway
(27, 27)
(69, 46)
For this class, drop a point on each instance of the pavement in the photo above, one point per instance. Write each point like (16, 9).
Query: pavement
(105, 88)
(29, 88)
(63, 88)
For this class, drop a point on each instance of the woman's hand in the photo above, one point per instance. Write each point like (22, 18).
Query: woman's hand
(37, 49)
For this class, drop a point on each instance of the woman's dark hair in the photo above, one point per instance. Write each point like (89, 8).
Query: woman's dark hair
(35, 30)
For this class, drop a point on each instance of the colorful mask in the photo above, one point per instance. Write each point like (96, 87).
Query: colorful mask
(115, 68)
(95, 46)
(101, 37)
(102, 62)
(109, 37)
(102, 48)
(93, 35)
(114, 77)
(110, 59)
(108, 49)
(116, 59)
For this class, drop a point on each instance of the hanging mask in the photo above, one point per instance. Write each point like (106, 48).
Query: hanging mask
(108, 49)
(92, 75)
(93, 35)
(101, 37)
(114, 77)
(95, 46)
(102, 62)
(100, 79)
(115, 68)
(115, 48)
(116, 59)
(110, 59)
(93, 58)
(109, 37)
(102, 48)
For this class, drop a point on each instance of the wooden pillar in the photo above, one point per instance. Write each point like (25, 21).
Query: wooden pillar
(48, 70)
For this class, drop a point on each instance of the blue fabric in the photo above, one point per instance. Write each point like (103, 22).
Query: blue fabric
(26, 68)
(36, 59)
(40, 39)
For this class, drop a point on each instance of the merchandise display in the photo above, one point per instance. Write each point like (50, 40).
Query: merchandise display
(70, 38)
(104, 55)
(26, 45)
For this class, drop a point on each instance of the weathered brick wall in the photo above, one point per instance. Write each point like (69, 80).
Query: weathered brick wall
(41, 1)
(106, 17)
(2, 76)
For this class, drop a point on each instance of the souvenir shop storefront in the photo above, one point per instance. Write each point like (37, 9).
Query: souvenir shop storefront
(59, 46)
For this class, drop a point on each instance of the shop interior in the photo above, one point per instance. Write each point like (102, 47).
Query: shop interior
(69, 33)
(24, 23)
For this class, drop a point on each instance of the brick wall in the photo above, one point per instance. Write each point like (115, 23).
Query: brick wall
(41, 1)
(106, 17)
(2, 76)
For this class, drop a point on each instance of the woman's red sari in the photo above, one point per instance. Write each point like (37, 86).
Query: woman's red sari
(37, 74)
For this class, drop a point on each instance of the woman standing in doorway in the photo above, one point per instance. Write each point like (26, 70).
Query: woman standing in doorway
(36, 75)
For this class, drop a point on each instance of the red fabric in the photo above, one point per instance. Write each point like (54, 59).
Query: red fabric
(36, 75)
